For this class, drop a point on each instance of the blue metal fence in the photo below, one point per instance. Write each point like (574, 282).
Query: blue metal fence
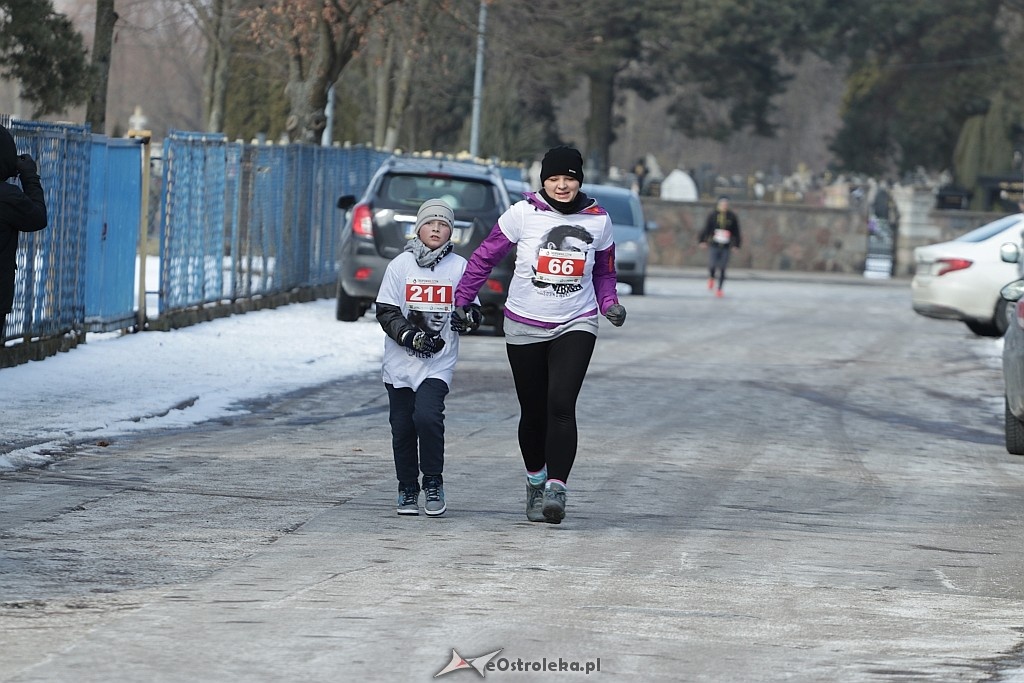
(236, 223)
(192, 224)
(112, 235)
(244, 221)
(49, 292)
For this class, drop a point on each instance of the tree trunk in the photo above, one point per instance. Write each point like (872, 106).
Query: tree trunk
(96, 109)
(380, 72)
(332, 48)
(221, 47)
(307, 99)
(599, 125)
(400, 99)
(411, 38)
(209, 67)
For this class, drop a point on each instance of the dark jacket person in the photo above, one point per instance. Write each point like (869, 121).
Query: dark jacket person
(21, 210)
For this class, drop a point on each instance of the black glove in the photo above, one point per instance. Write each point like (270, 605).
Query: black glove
(616, 314)
(422, 342)
(466, 319)
(26, 166)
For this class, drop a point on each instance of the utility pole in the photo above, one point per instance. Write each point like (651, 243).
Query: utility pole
(478, 81)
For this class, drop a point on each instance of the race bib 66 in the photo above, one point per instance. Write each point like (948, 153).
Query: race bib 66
(560, 267)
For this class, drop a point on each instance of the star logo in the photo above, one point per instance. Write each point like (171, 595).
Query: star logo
(459, 662)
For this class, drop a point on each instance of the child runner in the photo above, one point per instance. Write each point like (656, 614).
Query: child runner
(413, 306)
(564, 276)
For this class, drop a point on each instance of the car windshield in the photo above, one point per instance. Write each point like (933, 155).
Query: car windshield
(409, 191)
(619, 207)
(989, 229)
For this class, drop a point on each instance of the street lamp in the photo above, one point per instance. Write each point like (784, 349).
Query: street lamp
(478, 82)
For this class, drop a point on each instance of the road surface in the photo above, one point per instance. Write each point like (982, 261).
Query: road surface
(803, 481)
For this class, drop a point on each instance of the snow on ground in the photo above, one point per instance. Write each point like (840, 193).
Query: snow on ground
(115, 384)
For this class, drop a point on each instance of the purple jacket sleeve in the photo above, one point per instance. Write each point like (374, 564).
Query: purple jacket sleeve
(483, 260)
(604, 279)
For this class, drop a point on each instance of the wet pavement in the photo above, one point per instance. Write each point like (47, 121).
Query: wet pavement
(802, 481)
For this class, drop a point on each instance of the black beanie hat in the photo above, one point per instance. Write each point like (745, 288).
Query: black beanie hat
(562, 160)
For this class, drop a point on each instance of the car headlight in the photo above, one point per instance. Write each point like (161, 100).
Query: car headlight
(628, 247)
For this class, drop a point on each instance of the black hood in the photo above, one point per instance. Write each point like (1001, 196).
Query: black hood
(8, 155)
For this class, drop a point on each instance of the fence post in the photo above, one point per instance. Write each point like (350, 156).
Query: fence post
(145, 137)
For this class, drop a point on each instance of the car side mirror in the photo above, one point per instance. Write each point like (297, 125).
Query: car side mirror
(346, 202)
(1009, 252)
(651, 225)
(1013, 291)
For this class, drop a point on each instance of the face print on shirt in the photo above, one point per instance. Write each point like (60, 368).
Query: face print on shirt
(562, 238)
(431, 322)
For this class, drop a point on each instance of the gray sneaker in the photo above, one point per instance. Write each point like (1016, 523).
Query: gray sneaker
(554, 502)
(409, 501)
(433, 490)
(534, 502)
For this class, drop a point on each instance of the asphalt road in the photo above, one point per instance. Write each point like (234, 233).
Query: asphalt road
(803, 481)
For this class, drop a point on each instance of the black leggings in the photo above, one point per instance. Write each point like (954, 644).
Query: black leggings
(548, 377)
(718, 260)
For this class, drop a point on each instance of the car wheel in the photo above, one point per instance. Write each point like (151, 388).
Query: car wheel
(637, 286)
(349, 308)
(1003, 317)
(1014, 429)
(983, 329)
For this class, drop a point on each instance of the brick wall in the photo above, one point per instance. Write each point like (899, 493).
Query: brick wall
(802, 238)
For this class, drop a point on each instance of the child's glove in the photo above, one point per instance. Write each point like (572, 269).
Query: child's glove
(422, 342)
(616, 314)
(466, 318)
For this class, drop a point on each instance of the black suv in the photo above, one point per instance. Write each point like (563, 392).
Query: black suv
(383, 220)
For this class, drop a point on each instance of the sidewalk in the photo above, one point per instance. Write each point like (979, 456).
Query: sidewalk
(700, 273)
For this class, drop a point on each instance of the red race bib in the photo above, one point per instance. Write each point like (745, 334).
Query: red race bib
(560, 267)
(429, 295)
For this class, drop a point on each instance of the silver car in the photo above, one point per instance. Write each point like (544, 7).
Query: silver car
(1013, 353)
(630, 228)
(1013, 370)
(627, 214)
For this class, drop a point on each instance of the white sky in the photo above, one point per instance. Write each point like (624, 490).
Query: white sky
(117, 384)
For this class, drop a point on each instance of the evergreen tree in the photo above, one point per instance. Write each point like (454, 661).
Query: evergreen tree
(41, 50)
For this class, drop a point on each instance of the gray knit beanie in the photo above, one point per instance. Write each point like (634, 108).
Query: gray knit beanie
(434, 210)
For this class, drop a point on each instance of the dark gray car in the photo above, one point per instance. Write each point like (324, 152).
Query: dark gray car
(381, 223)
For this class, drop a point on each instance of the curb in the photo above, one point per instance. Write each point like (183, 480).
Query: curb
(698, 273)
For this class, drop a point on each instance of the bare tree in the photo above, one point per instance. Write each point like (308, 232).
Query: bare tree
(320, 38)
(380, 53)
(219, 21)
(398, 46)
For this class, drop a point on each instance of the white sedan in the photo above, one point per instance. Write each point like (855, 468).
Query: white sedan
(961, 279)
